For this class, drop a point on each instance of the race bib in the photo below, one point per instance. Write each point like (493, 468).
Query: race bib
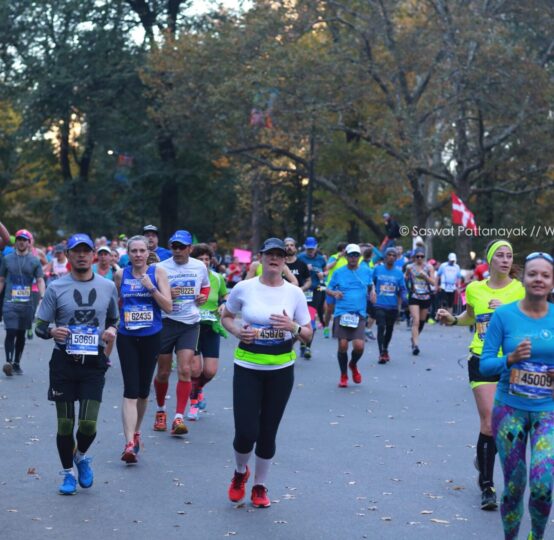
(387, 289)
(82, 340)
(267, 335)
(531, 381)
(309, 295)
(21, 293)
(137, 317)
(349, 320)
(482, 324)
(186, 291)
(206, 315)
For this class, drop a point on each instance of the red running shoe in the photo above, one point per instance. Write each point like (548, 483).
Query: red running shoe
(129, 456)
(343, 381)
(259, 497)
(237, 489)
(382, 358)
(356, 375)
(160, 424)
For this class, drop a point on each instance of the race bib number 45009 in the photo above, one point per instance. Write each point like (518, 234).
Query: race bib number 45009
(531, 380)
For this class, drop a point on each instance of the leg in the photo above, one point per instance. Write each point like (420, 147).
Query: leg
(150, 347)
(389, 321)
(541, 470)
(9, 347)
(161, 381)
(486, 447)
(414, 312)
(65, 411)
(510, 427)
(381, 328)
(357, 350)
(19, 346)
(88, 416)
(184, 384)
(342, 356)
(128, 350)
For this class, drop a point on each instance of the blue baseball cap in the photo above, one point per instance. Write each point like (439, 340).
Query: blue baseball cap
(78, 239)
(310, 243)
(183, 237)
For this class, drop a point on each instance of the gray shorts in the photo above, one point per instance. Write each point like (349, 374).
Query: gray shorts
(177, 336)
(344, 332)
(18, 317)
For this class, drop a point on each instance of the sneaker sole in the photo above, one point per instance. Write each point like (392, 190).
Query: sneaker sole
(157, 428)
(193, 418)
(261, 505)
(7, 369)
(181, 430)
(489, 506)
(65, 494)
(129, 458)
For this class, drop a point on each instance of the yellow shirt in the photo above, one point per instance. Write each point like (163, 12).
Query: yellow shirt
(478, 296)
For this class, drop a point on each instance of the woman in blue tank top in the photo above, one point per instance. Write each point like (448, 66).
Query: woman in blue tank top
(143, 292)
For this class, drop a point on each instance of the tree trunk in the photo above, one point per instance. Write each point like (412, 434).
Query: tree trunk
(257, 197)
(168, 207)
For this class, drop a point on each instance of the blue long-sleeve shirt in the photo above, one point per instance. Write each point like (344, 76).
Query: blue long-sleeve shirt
(389, 285)
(524, 385)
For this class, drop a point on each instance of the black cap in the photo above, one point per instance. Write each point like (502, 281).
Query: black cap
(150, 228)
(273, 243)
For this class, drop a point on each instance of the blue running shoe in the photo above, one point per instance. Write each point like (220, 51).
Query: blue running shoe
(69, 484)
(201, 401)
(85, 474)
(137, 442)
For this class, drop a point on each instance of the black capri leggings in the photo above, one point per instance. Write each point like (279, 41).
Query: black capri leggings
(385, 325)
(259, 401)
(138, 356)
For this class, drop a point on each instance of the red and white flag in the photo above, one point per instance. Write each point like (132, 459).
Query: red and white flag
(461, 215)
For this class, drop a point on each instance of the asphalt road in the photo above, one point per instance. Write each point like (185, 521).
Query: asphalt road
(391, 458)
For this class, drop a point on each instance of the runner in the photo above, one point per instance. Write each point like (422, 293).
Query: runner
(336, 261)
(350, 286)
(482, 298)
(206, 358)
(17, 272)
(144, 292)
(105, 266)
(390, 289)
(59, 265)
(190, 287)
(273, 312)
(315, 295)
(151, 233)
(367, 256)
(83, 308)
(449, 276)
(420, 279)
(519, 348)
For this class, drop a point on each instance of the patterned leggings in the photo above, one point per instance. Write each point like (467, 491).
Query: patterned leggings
(511, 428)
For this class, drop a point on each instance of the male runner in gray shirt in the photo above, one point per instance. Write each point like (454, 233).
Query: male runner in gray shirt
(83, 307)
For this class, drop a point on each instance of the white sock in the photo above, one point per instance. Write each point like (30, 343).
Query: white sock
(241, 461)
(161, 409)
(178, 415)
(78, 456)
(262, 469)
(69, 471)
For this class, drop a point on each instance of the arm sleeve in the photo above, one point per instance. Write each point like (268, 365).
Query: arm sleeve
(42, 329)
(491, 363)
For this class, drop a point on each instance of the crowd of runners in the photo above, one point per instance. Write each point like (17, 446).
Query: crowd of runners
(166, 310)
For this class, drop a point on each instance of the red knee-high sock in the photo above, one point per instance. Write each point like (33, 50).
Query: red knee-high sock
(183, 393)
(161, 392)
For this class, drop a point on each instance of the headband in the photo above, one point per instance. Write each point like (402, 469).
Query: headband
(497, 245)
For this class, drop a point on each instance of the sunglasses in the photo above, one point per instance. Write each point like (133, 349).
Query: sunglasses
(178, 247)
(420, 257)
(539, 255)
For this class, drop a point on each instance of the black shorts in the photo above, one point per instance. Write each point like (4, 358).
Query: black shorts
(344, 332)
(18, 317)
(177, 336)
(446, 298)
(475, 375)
(208, 342)
(423, 304)
(73, 381)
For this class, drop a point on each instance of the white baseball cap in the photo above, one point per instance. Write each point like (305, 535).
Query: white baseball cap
(353, 248)
(452, 257)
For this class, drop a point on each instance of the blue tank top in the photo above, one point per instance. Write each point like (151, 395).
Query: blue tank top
(139, 314)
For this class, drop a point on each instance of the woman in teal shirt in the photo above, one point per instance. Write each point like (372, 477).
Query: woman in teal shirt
(524, 404)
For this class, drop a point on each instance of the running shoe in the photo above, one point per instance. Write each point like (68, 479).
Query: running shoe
(431, 320)
(84, 472)
(194, 412)
(369, 335)
(326, 332)
(201, 401)
(137, 442)
(160, 424)
(30, 333)
(8, 369)
(69, 484)
(488, 499)
(237, 489)
(356, 375)
(308, 353)
(382, 359)
(17, 369)
(415, 350)
(302, 350)
(386, 356)
(343, 381)
(178, 427)
(129, 455)
(259, 497)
